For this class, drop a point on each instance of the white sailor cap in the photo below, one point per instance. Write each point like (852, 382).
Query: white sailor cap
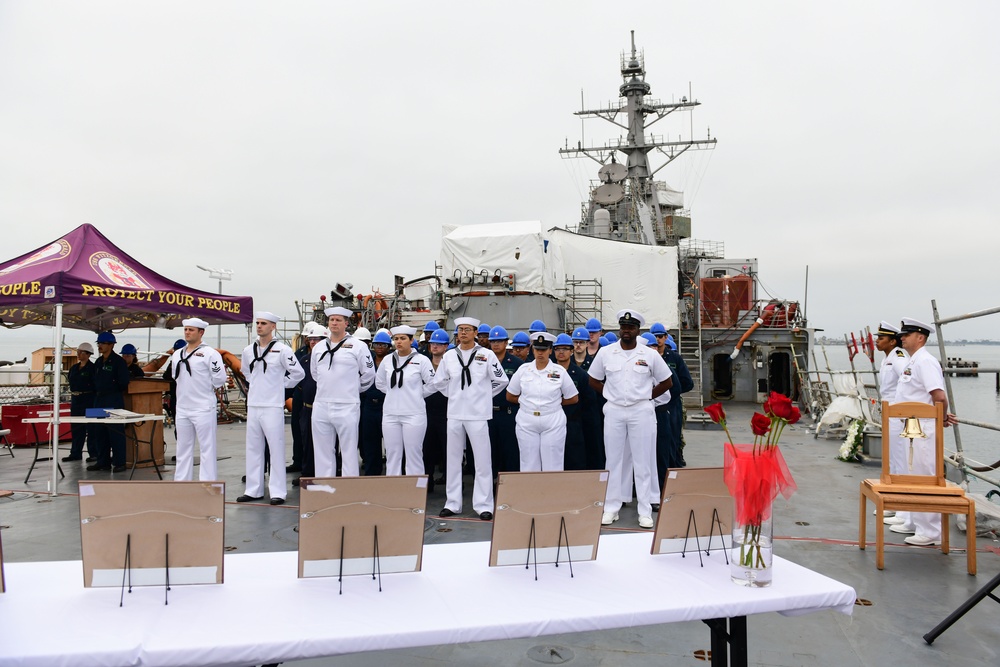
(911, 325)
(886, 329)
(469, 321)
(338, 310)
(627, 316)
(403, 329)
(267, 315)
(542, 339)
(195, 322)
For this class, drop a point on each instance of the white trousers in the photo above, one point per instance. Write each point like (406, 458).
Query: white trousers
(631, 429)
(200, 425)
(924, 454)
(269, 424)
(333, 422)
(541, 440)
(899, 450)
(482, 490)
(404, 433)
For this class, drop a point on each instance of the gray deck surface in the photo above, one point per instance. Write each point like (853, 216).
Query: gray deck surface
(817, 528)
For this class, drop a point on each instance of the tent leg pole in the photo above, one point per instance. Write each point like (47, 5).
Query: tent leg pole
(57, 350)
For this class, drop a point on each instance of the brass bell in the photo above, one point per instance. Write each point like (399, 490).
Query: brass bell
(911, 429)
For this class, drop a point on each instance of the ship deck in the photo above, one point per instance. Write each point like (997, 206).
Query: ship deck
(816, 528)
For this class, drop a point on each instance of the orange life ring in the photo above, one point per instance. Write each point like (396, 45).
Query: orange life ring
(377, 302)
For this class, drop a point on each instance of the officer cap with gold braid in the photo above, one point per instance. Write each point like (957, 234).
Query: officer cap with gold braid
(542, 340)
(886, 329)
(910, 325)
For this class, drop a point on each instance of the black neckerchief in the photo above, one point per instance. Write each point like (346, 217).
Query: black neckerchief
(398, 371)
(331, 351)
(261, 358)
(184, 361)
(466, 373)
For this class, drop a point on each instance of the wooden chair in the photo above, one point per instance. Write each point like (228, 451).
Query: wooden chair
(916, 493)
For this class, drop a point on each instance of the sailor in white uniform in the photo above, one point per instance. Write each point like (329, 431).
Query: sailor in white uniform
(541, 387)
(198, 372)
(896, 359)
(470, 376)
(629, 376)
(270, 367)
(342, 368)
(922, 381)
(406, 378)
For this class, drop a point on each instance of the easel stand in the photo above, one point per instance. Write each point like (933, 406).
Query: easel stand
(693, 522)
(127, 569)
(376, 560)
(533, 547)
(977, 597)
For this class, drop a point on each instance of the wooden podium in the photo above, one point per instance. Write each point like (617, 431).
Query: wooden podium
(145, 396)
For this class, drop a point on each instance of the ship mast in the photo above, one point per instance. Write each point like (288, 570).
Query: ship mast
(635, 212)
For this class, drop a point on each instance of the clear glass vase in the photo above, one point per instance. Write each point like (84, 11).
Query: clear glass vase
(750, 558)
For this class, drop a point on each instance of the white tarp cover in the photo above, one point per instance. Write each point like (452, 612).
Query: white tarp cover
(632, 275)
(667, 196)
(512, 247)
(850, 402)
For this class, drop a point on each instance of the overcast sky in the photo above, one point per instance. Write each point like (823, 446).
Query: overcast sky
(306, 143)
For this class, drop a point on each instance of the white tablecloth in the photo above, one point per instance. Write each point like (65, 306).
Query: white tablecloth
(263, 613)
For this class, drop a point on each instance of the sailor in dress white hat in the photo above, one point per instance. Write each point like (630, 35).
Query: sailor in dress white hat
(629, 376)
(198, 372)
(470, 376)
(270, 367)
(342, 367)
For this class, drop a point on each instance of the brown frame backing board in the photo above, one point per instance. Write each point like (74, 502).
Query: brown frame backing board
(144, 515)
(547, 497)
(700, 490)
(354, 507)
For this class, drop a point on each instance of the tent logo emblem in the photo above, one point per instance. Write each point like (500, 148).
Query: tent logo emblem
(116, 271)
(55, 250)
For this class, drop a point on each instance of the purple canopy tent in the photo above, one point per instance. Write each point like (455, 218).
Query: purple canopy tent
(83, 281)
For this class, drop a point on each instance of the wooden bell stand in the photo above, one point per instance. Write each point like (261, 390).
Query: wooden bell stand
(916, 493)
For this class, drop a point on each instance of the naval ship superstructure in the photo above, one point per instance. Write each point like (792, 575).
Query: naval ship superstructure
(632, 248)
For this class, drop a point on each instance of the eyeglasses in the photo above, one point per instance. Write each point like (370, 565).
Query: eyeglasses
(660, 335)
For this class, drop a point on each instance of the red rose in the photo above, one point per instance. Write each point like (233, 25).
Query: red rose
(760, 424)
(716, 412)
(796, 415)
(781, 406)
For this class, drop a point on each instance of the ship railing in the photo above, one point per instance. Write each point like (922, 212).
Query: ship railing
(965, 466)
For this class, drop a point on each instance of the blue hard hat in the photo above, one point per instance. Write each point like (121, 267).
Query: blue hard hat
(611, 336)
(440, 336)
(657, 328)
(537, 325)
(580, 334)
(483, 329)
(179, 343)
(563, 340)
(521, 339)
(128, 348)
(593, 324)
(603, 340)
(498, 333)
(106, 337)
(382, 337)
(671, 342)
(451, 346)
(649, 338)
(431, 326)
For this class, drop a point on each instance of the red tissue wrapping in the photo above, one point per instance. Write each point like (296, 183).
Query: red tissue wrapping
(755, 480)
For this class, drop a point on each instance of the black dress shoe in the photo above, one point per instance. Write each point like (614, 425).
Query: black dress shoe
(247, 499)
(277, 501)
(67, 459)
(655, 506)
(297, 481)
(447, 512)
(119, 469)
(98, 467)
(91, 459)
(486, 516)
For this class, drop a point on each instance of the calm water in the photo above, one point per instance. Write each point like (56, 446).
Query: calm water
(974, 397)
